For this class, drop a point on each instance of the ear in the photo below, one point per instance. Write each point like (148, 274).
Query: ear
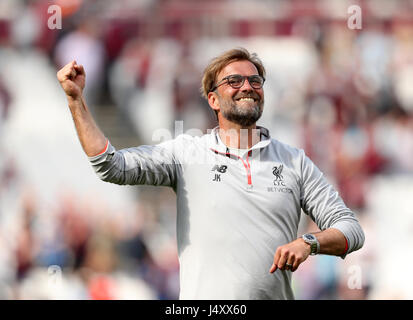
(213, 101)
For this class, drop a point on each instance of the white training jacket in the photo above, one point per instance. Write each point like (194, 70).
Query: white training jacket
(233, 211)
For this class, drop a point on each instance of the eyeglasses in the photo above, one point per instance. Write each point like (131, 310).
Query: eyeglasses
(236, 81)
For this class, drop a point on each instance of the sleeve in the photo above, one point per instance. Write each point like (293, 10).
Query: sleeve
(326, 208)
(144, 165)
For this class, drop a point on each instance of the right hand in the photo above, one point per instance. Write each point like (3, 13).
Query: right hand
(72, 79)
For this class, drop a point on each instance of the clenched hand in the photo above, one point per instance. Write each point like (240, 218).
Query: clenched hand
(293, 253)
(72, 79)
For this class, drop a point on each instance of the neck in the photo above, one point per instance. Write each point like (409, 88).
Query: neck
(236, 136)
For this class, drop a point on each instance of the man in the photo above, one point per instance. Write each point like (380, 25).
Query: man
(239, 192)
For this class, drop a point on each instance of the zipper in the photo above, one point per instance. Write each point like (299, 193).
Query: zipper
(249, 169)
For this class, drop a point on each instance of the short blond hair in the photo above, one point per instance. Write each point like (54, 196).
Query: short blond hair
(209, 77)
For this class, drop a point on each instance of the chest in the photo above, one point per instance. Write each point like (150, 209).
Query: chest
(248, 178)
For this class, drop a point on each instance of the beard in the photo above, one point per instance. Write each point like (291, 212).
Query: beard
(244, 116)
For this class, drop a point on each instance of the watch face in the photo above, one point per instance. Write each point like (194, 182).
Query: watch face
(312, 241)
(310, 237)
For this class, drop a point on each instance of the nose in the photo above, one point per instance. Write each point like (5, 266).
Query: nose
(246, 86)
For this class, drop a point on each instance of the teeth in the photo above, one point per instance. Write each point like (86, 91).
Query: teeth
(246, 99)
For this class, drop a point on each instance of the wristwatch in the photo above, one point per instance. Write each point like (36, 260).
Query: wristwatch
(313, 242)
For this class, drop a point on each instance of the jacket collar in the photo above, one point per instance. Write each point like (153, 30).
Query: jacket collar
(216, 144)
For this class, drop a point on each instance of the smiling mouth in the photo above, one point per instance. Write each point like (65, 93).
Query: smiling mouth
(250, 99)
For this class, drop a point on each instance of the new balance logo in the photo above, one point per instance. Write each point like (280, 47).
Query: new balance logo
(221, 169)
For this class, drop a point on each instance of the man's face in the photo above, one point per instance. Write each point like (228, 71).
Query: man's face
(243, 106)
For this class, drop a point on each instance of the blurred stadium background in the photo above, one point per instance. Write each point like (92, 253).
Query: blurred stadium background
(343, 95)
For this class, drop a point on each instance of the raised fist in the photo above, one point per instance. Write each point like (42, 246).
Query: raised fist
(72, 79)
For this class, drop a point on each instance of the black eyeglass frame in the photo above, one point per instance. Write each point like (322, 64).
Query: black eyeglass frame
(226, 80)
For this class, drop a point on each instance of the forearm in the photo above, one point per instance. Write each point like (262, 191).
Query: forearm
(332, 242)
(91, 138)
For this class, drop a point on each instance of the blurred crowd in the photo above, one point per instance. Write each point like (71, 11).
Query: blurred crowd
(342, 95)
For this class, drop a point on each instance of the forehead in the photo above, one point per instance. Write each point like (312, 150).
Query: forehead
(244, 67)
